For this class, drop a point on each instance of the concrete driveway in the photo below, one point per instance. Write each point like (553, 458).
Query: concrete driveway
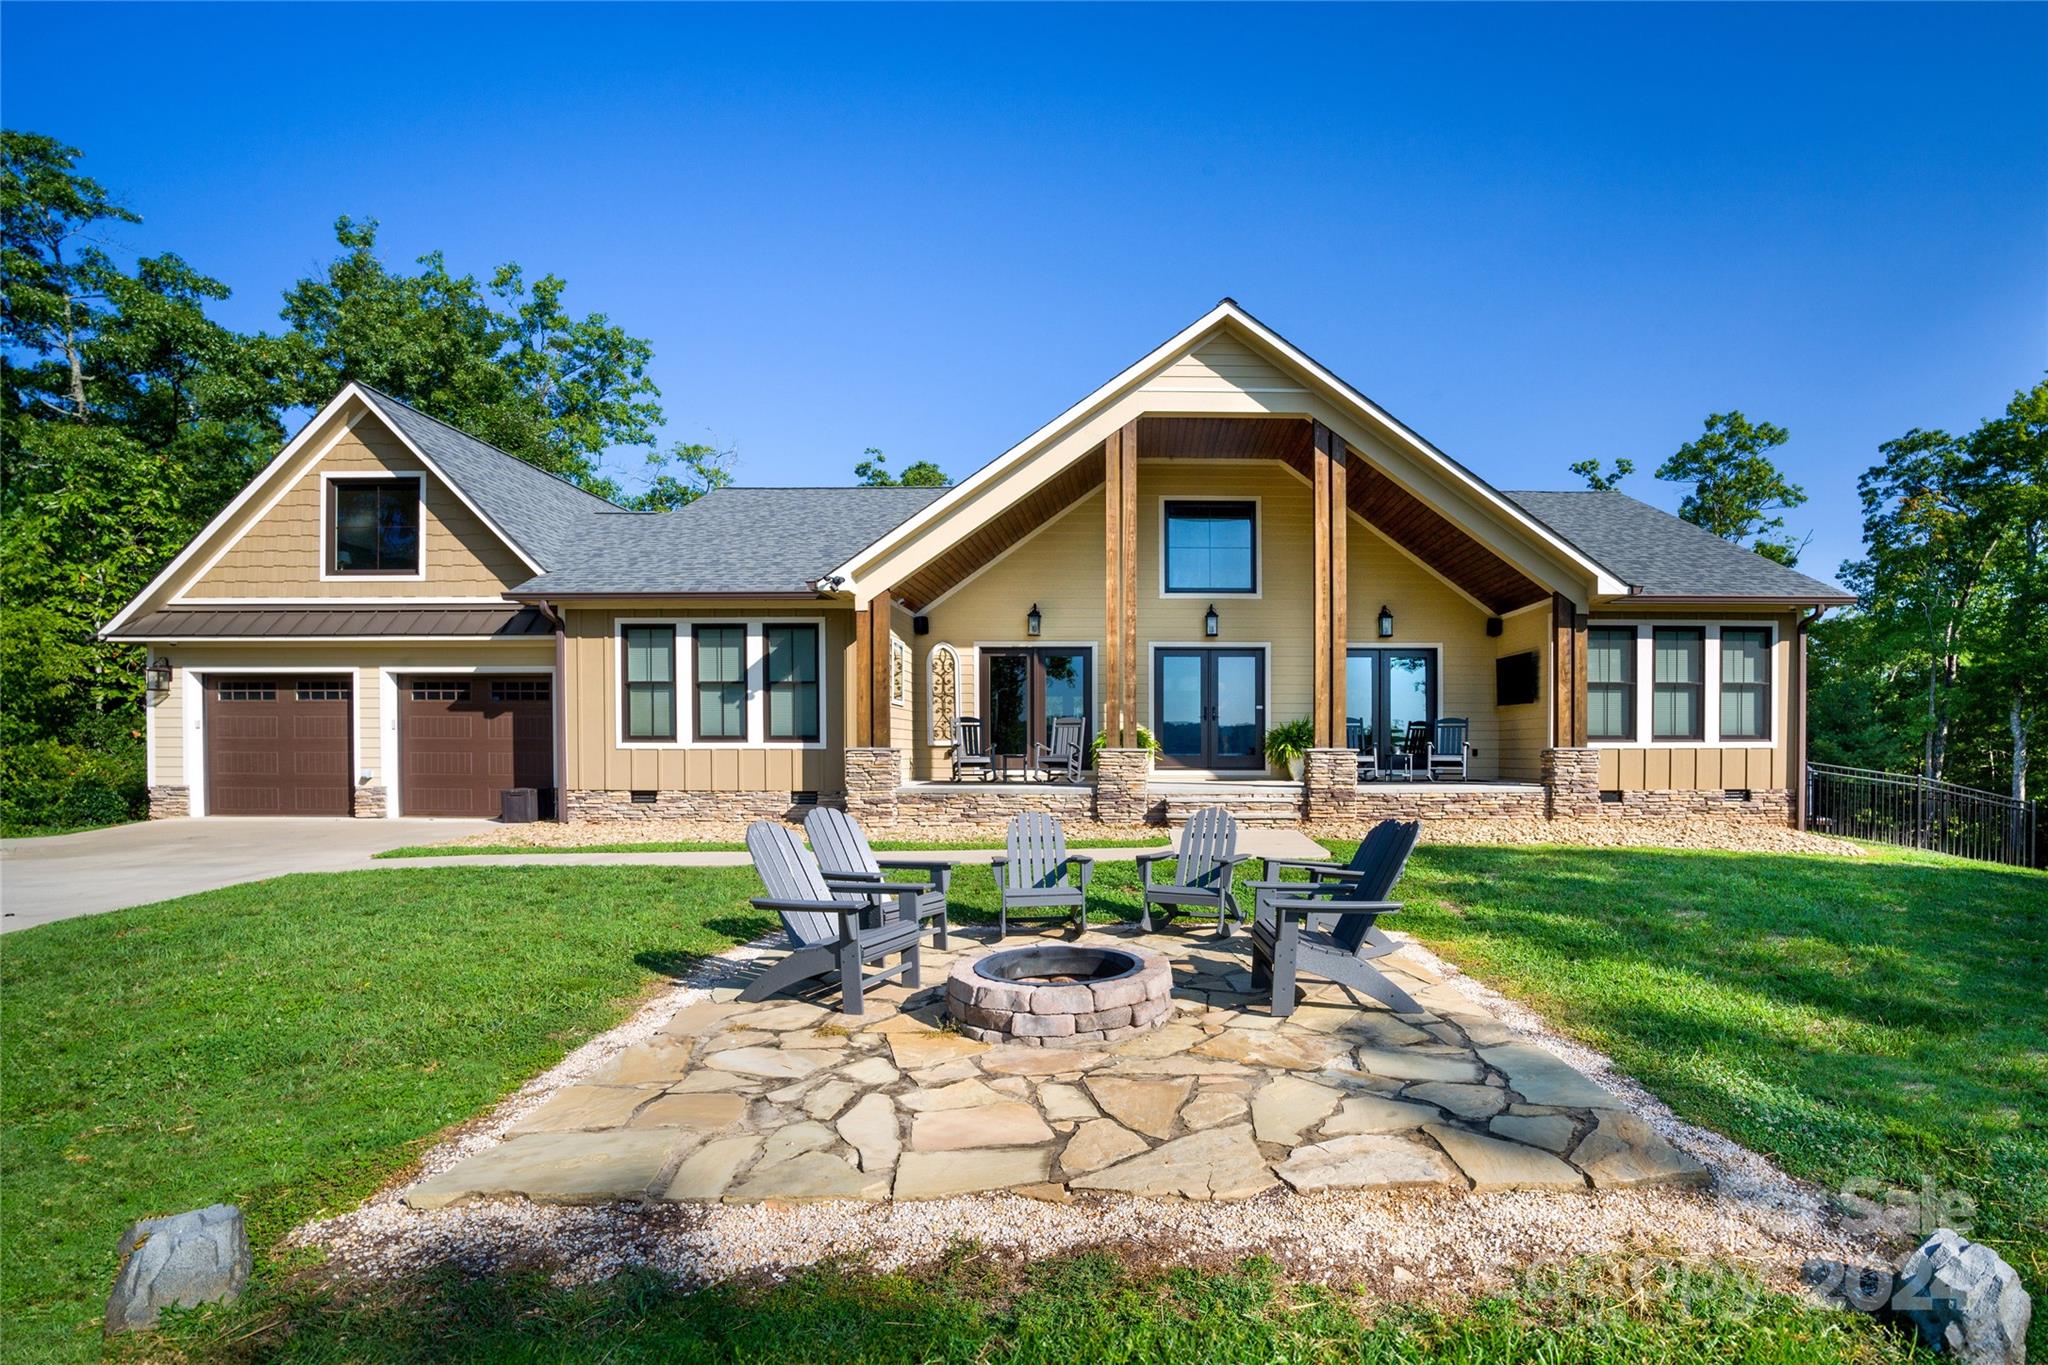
(107, 869)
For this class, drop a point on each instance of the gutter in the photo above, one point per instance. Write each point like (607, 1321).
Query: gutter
(559, 695)
(530, 599)
(1702, 600)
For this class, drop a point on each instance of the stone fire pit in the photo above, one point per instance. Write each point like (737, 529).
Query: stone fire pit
(1060, 994)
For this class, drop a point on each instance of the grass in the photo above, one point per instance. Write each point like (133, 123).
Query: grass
(8, 831)
(290, 1046)
(736, 846)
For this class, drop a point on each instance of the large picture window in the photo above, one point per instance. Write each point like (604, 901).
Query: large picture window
(721, 682)
(1611, 682)
(1211, 547)
(1745, 683)
(1678, 682)
(374, 526)
(650, 699)
(792, 682)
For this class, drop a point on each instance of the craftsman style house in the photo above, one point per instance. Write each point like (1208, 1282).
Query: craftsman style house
(397, 619)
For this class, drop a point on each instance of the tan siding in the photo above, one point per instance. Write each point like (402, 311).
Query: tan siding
(1524, 731)
(167, 714)
(279, 555)
(597, 761)
(1218, 365)
(1654, 767)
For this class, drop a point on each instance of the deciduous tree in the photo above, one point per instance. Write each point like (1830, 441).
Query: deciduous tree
(1735, 486)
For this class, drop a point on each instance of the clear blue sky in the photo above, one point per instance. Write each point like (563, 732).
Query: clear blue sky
(1534, 234)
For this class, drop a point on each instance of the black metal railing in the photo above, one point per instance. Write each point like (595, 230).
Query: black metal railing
(1913, 812)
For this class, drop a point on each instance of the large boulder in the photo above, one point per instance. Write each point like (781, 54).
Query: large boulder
(1965, 1300)
(183, 1260)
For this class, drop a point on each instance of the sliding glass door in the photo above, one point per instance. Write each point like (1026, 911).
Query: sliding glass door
(1386, 689)
(1210, 707)
(1022, 689)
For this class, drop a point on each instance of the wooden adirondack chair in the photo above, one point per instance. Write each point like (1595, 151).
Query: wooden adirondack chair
(1203, 866)
(1355, 895)
(1450, 750)
(843, 854)
(970, 749)
(1064, 749)
(1032, 874)
(834, 928)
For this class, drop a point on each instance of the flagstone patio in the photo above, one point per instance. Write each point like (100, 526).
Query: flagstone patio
(788, 1100)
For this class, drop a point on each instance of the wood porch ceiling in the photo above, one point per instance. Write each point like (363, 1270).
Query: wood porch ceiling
(1385, 506)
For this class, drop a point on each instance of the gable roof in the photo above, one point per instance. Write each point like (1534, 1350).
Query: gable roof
(730, 541)
(1659, 555)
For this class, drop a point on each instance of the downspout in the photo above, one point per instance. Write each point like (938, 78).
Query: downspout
(559, 694)
(1801, 787)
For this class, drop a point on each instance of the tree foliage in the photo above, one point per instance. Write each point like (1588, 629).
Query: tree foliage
(873, 472)
(1603, 481)
(1735, 486)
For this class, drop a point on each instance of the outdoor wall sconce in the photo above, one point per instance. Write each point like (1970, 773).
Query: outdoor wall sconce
(1211, 622)
(1032, 621)
(1386, 624)
(158, 676)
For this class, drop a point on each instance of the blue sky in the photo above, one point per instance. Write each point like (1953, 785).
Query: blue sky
(1533, 233)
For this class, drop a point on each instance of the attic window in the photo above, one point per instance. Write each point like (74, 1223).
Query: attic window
(374, 526)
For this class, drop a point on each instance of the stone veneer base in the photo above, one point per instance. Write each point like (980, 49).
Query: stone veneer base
(170, 803)
(1067, 1014)
(620, 807)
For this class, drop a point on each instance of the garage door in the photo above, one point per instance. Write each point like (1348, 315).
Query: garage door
(462, 741)
(277, 745)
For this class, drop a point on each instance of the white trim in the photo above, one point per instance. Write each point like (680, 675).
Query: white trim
(195, 725)
(391, 742)
(1096, 696)
(684, 668)
(1265, 648)
(149, 661)
(330, 477)
(1710, 691)
(1011, 549)
(387, 737)
(395, 601)
(1605, 583)
(1258, 591)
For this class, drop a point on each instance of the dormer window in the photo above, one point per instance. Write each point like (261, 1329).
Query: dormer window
(374, 526)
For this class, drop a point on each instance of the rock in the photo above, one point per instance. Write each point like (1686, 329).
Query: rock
(556, 1168)
(794, 1139)
(725, 1042)
(828, 1099)
(710, 1016)
(698, 1081)
(1543, 1078)
(1051, 1192)
(1552, 1132)
(1964, 1299)
(1466, 1101)
(659, 1063)
(1006, 1123)
(1026, 1059)
(1371, 1114)
(1222, 1163)
(1622, 1151)
(1165, 1041)
(1065, 1102)
(935, 1175)
(1299, 1052)
(1012, 1087)
(870, 1129)
(1097, 1144)
(1368, 1026)
(1290, 1106)
(1366, 1161)
(707, 1171)
(179, 1261)
(806, 1176)
(946, 1073)
(1148, 1106)
(959, 1095)
(1213, 1107)
(1494, 1164)
(1413, 1064)
(787, 1017)
(579, 1107)
(870, 1072)
(772, 1062)
(914, 1051)
(712, 1113)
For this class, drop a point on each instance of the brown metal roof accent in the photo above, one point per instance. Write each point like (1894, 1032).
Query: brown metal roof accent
(1016, 521)
(508, 622)
(1424, 532)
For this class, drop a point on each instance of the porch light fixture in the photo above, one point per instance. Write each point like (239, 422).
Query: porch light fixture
(1032, 621)
(1386, 624)
(1211, 622)
(158, 676)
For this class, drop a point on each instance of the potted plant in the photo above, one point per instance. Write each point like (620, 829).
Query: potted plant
(1287, 745)
(1145, 742)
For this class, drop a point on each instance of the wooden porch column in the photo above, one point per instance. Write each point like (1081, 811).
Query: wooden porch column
(871, 673)
(1568, 673)
(1331, 574)
(1120, 587)
(1132, 663)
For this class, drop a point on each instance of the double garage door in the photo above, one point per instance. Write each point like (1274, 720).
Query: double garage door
(282, 745)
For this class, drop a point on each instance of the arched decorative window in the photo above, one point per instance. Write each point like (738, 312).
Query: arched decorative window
(899, 672)
(943, 682)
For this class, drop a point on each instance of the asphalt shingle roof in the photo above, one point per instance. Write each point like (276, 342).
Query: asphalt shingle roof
(1661, 556)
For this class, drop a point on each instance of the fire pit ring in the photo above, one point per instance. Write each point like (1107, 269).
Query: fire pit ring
(1060, 994)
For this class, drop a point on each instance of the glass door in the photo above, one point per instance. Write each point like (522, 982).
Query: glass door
(1209, 707)
(1385, 690)
(1021, 689)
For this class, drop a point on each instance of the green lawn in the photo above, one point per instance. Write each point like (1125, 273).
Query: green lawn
(736, 846)
(290, 1046)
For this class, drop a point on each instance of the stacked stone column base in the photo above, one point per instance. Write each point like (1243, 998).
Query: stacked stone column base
(170, 803)
(872, 776)
(1572, 778)
(1121, 776)
(369, 803)
(1330, 783)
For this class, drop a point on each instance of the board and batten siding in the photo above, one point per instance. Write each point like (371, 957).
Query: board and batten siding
(597, 761)
(1709, 767)
(279, 554)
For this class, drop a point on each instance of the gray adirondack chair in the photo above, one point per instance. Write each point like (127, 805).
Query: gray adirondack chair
(970, 749)
(1032, 874)
(1450, 750)
(844, 855)
(1203, 865)
(1354, 896)
(1062, 750)
(834, 928)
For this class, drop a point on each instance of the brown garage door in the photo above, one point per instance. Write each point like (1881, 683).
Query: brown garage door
(277, 745)
(464, 740)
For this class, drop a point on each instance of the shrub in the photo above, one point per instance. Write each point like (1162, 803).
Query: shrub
(1287, 742)
(1145, 741)
(49, 785)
